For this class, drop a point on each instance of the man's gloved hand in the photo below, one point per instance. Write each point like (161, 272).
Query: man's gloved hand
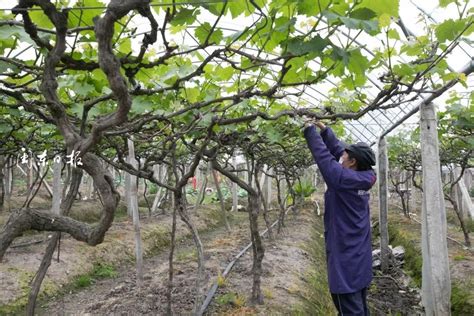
(308, 123)
(320, 125)
(315, 123)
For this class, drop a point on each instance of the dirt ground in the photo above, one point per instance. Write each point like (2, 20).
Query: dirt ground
(283, 282)
(391, 293)
(22, 260)
(283, 279)
(284, 266)
(461, 258)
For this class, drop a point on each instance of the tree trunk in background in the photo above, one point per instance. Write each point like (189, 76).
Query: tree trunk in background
(235, 197)
(169, 292)
(455, 198)
(264, 203)
(168, 196)
(436, 282)
(269, 189)
(406, 179)
(198, 176)
(283, 191)
(407, 191)
(182, 172)
(221, 199)
(128, 187)
(2, 182)
(263, 178)
(68, 180)
(89, 188)
(156, 174)
(458, 199)
(465, 201)
(411, 197)
(29, 176)
(160, 174)
(257, 248)
(404, 193)
(291, 192)
(8, 180)
(383, 203)
(414, 194)
(202, 191)
(462, 223)
(281, 215)
(248, 174)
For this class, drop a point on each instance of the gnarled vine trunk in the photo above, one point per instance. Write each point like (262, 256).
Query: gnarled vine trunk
(257, 244)
(66, 205)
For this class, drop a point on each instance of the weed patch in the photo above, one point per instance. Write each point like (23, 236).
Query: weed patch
(462, 297)
(233, 299)
(82, 281)
(99, 271)
(316, 298)
(413, 260)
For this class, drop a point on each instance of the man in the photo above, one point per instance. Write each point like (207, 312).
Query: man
(347, 171)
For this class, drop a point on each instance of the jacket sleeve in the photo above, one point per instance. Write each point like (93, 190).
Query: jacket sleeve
(330, 169)
(332, 143)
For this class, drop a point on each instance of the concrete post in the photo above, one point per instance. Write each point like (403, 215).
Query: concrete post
(436, 282)
(382, 164)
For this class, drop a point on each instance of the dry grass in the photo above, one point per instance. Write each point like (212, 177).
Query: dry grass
(241, 311)
(221, 243)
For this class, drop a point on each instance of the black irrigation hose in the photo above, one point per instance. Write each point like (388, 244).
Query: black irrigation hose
(213, 289)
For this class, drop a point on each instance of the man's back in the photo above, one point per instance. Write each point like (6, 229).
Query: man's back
(346, 217)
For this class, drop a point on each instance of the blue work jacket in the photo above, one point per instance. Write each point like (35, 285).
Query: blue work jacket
(347, 229)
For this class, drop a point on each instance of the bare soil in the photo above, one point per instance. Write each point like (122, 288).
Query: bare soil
(284, 266)
(391, 293)
(22, 259)
(283, 281)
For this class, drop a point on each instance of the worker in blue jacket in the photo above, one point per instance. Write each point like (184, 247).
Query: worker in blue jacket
(347, 171)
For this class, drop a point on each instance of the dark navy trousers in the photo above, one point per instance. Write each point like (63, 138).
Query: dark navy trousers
(353, 304)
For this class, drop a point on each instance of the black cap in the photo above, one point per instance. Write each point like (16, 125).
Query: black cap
(362, 152)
